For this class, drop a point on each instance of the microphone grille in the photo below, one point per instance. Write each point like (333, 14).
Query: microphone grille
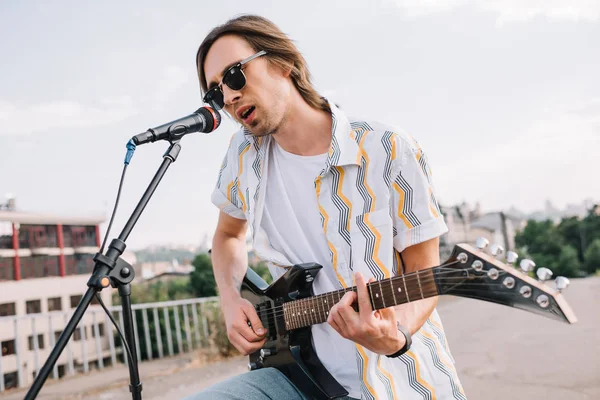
(213, 118)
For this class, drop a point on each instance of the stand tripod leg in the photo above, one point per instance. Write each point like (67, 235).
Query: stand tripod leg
(135, 387)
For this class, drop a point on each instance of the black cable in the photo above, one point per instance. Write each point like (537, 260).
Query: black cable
(129, 355)
(114, 209)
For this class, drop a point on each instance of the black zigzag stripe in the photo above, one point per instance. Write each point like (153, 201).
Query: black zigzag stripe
(440, 335)
(438, 364)
(341, 206)
(412, 378)
(387, 145)
(408, 198)
(360, 126)
(386, 382)
(424, 167)
(243, 145)
(223, 166)
(233, 193)
(362, 189)
(363, 386)
(369, 248)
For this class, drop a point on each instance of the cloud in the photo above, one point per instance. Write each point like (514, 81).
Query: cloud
(22, 119)
(18, 119)
(509, 10)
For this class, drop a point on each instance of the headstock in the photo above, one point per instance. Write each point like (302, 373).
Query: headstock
(471, 272)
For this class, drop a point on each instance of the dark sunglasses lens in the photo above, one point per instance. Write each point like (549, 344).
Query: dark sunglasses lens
(214, 97)
(235, 78)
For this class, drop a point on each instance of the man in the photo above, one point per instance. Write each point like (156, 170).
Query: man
(313, 185)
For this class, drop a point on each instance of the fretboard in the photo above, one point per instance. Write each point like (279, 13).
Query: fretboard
(385, 293)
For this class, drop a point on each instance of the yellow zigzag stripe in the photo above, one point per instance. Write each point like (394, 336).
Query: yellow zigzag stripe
(364, 377)
(375, 232)
(325, 225)
(418, 374)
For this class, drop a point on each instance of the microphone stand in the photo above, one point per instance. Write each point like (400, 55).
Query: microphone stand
(110, 269)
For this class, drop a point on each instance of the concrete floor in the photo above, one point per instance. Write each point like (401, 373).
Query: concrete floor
(501, 353)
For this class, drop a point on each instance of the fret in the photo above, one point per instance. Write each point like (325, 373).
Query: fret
(312, 314)
(382, 296)
(305, 316)
(405, 289)
(393, 291)
(369, 286)
(318, 305)
(420, 287)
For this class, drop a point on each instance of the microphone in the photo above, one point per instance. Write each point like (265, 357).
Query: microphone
(204, 120)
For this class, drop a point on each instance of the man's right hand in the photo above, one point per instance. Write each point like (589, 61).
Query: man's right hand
(246, 338)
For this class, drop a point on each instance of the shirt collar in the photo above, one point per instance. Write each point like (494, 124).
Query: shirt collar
(343, 149)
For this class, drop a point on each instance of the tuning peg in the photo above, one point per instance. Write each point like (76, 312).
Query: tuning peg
(481, 243)
(527, 265)
(561, 283)
(511, 257)
(543, 274)
(496, 250)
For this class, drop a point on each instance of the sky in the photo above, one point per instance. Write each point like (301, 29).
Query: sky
(503, 96)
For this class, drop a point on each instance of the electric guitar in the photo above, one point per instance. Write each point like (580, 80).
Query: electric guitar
(287, 308)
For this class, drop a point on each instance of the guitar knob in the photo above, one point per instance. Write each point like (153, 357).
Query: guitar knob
(527, 265)
(543, 274)
(511, 257)
(496, 250)
(481, 243)
(561, 283)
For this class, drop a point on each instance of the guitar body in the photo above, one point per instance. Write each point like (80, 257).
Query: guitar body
(290, 352)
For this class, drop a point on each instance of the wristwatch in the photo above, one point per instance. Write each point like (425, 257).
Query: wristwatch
(406, 346)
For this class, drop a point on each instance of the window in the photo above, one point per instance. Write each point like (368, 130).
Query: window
(75, 300)
(33, 307)
(7, 309)
(100, 330)
(79, 264)
(77, 334)
(39, 267)
(10, 380)
(6, 235)
(57, 335)
(54, 304)
(7, 269)
(8, 347)
(40, 342)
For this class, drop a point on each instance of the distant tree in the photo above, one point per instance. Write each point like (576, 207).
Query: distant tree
(567, 264)
(542, 242)
(202, 279)
(571, 229)
(261, 269)
(592, 257)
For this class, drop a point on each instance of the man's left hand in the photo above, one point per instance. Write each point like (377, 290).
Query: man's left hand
(374, 330)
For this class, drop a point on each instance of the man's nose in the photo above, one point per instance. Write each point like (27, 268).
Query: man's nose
(230, 96)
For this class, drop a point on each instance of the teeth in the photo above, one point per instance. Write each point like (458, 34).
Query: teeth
(247, 112)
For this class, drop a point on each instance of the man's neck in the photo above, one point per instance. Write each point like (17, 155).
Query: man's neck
(305, 131)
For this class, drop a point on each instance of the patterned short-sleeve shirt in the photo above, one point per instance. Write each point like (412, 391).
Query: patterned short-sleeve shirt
(376, 197)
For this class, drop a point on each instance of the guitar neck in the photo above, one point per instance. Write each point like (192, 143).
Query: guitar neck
(383, 294)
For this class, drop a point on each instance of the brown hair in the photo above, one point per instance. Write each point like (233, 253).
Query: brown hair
(262, 34)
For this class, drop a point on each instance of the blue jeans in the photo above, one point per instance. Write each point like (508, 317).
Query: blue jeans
(261, 384)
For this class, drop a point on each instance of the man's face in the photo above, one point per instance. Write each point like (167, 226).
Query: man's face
(267, 90)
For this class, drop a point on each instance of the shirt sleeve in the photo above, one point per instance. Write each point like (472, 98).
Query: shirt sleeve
(225, 195)
(417, 215)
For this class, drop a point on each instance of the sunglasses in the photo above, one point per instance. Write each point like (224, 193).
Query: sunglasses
(234, 78)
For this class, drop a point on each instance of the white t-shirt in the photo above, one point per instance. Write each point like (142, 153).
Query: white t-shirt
(292, 223)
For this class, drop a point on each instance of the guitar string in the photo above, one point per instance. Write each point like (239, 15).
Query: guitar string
(388, 284)
(428, 277)
(302, 303)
